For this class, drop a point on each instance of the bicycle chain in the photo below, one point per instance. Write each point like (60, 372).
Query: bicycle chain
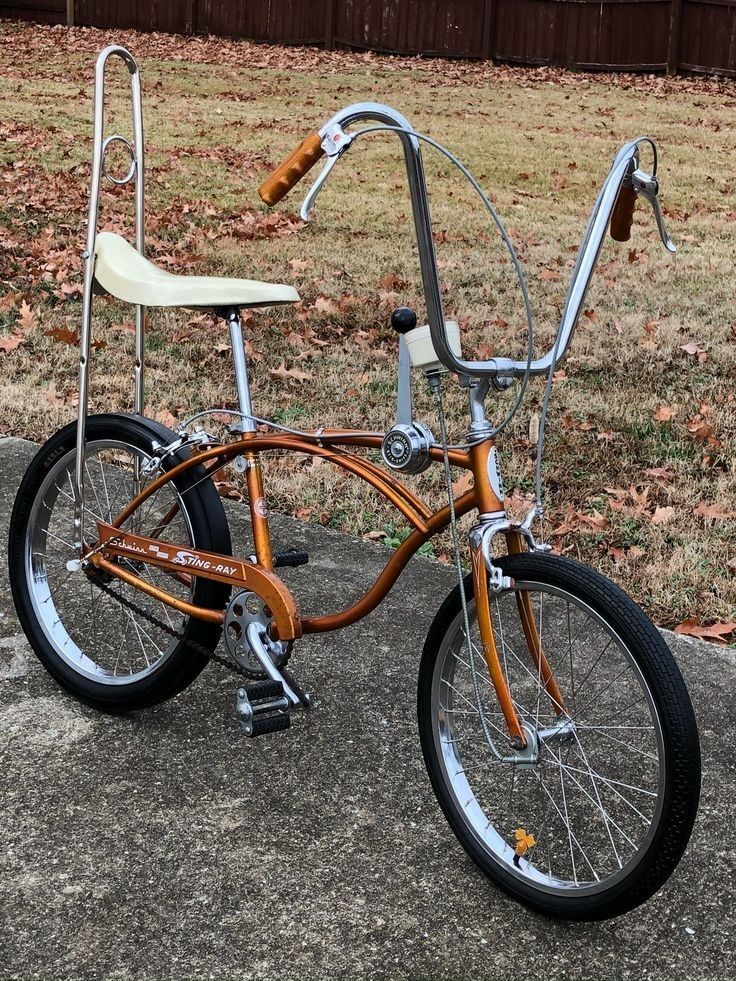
(178, 635)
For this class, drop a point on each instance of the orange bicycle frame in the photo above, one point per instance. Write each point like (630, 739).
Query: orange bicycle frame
(259, 577)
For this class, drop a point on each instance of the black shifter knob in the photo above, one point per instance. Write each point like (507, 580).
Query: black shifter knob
(403, 320)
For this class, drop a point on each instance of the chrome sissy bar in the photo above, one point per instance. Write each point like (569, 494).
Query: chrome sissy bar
(136, 173)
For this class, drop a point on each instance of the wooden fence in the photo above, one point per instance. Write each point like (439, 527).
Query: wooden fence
(617, 35)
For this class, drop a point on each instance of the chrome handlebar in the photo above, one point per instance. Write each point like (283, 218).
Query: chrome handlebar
(625, 169)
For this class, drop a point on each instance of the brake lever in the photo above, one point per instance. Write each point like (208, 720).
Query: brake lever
(647, 186)
(335, 141)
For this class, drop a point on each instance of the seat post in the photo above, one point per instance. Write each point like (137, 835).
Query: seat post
(240, 364)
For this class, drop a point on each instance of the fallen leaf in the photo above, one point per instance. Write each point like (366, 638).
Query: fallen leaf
(550, 275)
(128, 327)
(323, 304)
(225, 488)
(715, 511)
(596, 520)
(663, 413)
(699, 428)
(717, 632)
(374, 536)
(534, 428)
(27, 317)
(167, 418)
(299, 264)
(662, 515)
(52, 397)
(64, 335)
(524, 842)
(8, 344)
(392, 282)
(463, 483)
(660, 473)
(283, 373)
(694, 350)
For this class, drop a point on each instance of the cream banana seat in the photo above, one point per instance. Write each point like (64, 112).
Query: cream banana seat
(122, 271)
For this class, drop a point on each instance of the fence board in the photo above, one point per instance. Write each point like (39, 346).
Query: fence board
(42, 11)
(612, 34)
(708, 36)
(247, 18)
(296, 22)
(451, 28)
(633, 35)
(159, 15)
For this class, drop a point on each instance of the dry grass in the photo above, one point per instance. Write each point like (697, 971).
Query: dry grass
(540, 143)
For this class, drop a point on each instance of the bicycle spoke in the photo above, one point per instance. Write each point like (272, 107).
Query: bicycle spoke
(97, 632)
(587, 802)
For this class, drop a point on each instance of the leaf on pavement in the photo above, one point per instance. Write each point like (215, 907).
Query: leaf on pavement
(717, 632)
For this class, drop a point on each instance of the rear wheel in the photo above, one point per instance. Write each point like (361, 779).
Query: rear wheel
(94, 645)
(597, 816)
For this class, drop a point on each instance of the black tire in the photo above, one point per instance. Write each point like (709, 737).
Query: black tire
(201, 508)
(678, 773)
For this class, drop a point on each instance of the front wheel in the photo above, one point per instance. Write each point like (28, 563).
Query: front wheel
(597, 816)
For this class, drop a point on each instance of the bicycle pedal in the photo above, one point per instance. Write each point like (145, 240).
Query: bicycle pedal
(270, 723)
(263, 708)
(290, 559)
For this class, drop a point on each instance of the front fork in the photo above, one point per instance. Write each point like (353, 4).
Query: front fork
(488, 578)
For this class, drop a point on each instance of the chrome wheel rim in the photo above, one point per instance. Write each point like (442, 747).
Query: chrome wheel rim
(91, 632)
(592, 804)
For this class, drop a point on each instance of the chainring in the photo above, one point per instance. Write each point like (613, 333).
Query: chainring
(244, 609)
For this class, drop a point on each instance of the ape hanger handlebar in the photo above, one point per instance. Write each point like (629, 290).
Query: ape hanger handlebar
(613, 207)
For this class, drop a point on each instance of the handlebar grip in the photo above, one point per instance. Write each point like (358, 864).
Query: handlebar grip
(291, 170)
(623, 214)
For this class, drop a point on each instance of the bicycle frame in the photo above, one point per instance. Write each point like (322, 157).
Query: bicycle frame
(258, 576)
(425, 523)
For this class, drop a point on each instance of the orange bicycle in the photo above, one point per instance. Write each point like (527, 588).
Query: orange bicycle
(556, 728)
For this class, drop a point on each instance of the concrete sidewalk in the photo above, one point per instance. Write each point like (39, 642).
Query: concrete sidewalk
(166, 845)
